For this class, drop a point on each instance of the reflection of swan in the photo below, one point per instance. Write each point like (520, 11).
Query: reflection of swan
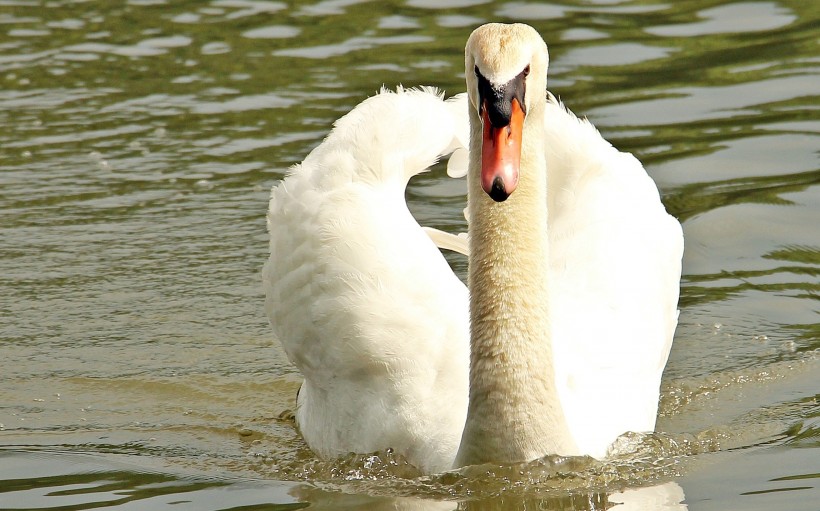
(572, 321)
(662, 497)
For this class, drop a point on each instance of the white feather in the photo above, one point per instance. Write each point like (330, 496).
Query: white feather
(362, 300)
(615, 264)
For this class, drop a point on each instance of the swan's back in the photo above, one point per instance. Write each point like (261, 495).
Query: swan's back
(615, 260)
(361, 299)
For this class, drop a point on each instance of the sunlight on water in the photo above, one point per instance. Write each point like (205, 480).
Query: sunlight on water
(140, 142)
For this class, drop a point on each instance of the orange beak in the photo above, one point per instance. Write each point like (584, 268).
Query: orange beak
(501, 153)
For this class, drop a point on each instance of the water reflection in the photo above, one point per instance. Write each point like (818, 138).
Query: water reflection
(690, 104)
(350, 45)
(667, 497)
(729, 19)
(118, 487)
(51, 480)
(664, 497)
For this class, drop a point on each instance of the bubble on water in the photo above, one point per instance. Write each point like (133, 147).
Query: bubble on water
(187, 17)
(26, 154)
(98, 35)
(68, 24)
(272, 32)
(215, 48)
(212, 11)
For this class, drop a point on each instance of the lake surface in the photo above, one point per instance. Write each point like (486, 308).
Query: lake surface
(138, 143)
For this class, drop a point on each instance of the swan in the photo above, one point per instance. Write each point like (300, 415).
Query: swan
(559, 344)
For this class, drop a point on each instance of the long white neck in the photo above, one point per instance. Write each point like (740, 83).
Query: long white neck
(514, 411)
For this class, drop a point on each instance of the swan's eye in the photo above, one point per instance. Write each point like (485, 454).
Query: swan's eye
(526, 71)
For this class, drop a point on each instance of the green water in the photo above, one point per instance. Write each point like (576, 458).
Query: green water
(138, 142)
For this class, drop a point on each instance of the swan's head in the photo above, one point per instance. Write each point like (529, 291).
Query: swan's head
(504, 62)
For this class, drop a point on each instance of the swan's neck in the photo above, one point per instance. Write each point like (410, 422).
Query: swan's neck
(514, 412)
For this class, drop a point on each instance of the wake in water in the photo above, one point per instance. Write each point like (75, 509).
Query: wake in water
(637, 461)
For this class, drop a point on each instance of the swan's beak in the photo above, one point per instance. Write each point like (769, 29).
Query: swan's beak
(501, 153)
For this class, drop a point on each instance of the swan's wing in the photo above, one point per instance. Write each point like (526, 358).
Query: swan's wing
(362, 301)
(444, 240)
(615, 261)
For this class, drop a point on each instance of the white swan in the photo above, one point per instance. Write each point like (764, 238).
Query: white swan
(572, 315)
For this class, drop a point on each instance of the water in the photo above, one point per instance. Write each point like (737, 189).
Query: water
(138, 141)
